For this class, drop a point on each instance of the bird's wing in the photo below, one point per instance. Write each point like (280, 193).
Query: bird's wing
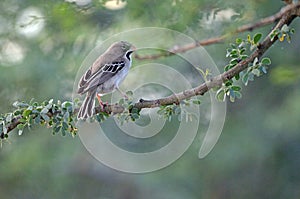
(107, 71)
(89, 74)
(83, 81)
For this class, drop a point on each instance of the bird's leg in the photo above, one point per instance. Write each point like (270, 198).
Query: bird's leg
(122, 93)
(100, 101)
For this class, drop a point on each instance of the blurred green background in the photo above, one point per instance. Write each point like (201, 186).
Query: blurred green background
(42, 45)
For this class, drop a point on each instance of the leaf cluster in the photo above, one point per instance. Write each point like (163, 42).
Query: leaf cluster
(58, 116)
(238, 52)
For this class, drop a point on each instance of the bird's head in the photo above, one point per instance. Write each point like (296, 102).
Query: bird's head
(122, 47)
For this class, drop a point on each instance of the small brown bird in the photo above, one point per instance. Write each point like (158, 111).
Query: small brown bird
(104, 76)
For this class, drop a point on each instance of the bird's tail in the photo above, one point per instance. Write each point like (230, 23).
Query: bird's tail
(87, 108)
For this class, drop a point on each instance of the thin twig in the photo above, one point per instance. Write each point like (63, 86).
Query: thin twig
(248, 27)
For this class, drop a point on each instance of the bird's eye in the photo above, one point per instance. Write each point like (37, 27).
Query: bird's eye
(123, 47)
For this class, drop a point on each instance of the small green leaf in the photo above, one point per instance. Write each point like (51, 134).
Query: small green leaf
(237, 76)
(256, 72)
(135, 116)
(292, 30)
(243, 57)
(66, 116)
(238, 94)
(249, 38)
(250, 76)
(17, 112)
(232, 45)
(8, 118)
(228, 83)
(66, 104)
(134, 110)
(65, 126)
(264, 69)
(266, 61)
(26, 113)
(45, 117)
(236, 88)
(285, 28)
(20, 126)
(245, 78)
(220, 95)
(233, 52)
(44, 110)
(231, 95)
(227, 67)
(257, 37)
(238, 41)
(234, 61)
(37, 120)
(57, 129)
(63, 132)
(20, 104)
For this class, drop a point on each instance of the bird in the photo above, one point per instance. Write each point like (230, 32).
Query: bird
(104, 76)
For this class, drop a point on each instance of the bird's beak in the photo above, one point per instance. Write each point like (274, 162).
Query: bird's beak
(133, 48)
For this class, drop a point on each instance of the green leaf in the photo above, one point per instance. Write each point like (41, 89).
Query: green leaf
(237, 76)
(238, 41)
(66, 116)
(26, 113)
(44, 110)
(21, 126)
(285, 28)
(8, 118)
(220, 95)
(243, 57)
(234, 61)
(266, 61)
(233, 52)
(236, 88)
(65, 126)
(63, 132)
(264, 69)
(249, 38)
(228, 83)
(232, 45)
(256, 72)
(257, 37)
(37, 120)
(45, 117)
(245, 78)
(134, 110)
(20, 104)
(227, 67)
(231, 95)
(135, 116)
(56, 129)
(66, 104)
(238, 94)
(292, 30)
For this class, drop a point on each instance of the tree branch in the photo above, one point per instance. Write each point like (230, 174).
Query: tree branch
(244, 28)
(286, 15)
